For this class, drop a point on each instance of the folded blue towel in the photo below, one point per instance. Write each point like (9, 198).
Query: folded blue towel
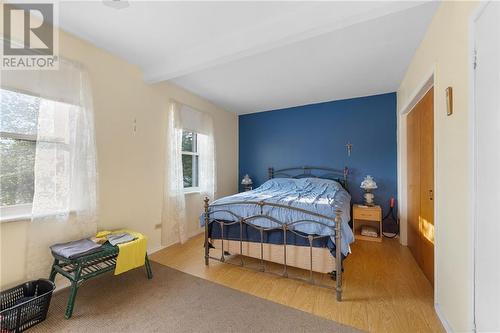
(75, 249)
(120, 238)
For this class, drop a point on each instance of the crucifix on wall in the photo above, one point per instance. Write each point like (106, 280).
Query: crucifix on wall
(349, 148)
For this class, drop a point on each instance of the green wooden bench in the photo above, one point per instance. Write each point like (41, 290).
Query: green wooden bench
(87, 267)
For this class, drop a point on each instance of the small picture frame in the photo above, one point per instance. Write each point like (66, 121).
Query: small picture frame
(449, 101)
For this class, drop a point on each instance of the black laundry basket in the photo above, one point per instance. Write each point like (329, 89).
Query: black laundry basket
(25, 305)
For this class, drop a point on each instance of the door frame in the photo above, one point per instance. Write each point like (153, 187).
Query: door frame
(472, 151)
(428, 82)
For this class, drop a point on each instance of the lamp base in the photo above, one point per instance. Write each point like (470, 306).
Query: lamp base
(369, 199)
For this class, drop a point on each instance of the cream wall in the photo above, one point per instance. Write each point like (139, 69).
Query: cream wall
(445, 50)
(130, 165)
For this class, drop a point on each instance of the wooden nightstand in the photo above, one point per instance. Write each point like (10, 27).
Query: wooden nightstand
(367, 215)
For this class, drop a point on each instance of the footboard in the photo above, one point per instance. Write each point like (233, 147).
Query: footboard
(276, 225)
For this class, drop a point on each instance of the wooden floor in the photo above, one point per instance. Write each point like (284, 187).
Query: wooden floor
(384, 290)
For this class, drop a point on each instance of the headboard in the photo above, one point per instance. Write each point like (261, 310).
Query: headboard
(339, 175)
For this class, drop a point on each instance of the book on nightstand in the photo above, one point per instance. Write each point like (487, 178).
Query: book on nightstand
(369, 231)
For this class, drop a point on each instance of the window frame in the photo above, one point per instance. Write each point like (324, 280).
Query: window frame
(195, 152)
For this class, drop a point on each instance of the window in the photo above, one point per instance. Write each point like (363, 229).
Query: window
(18, 147)
(190, 159)
(18, 127)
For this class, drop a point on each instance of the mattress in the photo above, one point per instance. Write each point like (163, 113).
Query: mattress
(321, 196)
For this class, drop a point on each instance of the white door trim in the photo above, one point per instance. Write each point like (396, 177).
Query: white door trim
(473, 153)
(428, 82)
(416, 96)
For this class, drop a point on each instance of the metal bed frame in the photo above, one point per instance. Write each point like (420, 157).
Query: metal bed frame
(328, 173)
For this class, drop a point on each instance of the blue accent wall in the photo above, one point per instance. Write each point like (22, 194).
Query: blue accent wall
(317, 134)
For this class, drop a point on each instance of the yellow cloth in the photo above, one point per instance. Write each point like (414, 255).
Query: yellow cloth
(131, 254)
(103, 233)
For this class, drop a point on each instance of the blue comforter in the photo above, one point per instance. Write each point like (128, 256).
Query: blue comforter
(321, 196)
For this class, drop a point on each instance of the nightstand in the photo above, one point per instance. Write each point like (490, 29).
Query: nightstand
(369, 216)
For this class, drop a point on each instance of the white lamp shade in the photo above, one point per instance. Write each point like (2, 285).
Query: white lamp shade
(246, 180)
(368, 183)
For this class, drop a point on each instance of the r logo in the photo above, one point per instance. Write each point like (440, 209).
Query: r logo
(37, 35)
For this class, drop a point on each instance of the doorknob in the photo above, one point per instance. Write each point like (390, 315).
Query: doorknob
(431, 195)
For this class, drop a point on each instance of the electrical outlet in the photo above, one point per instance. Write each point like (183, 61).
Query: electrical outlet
(158, 226)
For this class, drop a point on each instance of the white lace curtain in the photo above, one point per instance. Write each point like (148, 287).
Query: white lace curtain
(206, 144)
(174, 206)
(174, 223)
(65, 178)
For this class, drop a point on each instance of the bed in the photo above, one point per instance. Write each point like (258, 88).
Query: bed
(297, 218)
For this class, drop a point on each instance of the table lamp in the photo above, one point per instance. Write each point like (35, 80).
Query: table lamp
(368, 184)
(247, 183)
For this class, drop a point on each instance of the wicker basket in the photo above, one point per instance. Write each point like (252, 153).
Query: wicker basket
(25, 305)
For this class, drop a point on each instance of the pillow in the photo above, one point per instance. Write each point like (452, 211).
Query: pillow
(321, 181)
(301, 183)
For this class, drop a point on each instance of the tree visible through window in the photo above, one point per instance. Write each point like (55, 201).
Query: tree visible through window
(190, 159)
(18, 127)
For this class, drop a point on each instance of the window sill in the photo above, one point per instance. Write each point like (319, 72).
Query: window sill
(23, 217)
(15, 218)
(21, 212)
(192, 190)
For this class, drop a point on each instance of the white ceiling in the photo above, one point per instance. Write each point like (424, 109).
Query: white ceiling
(256, 56)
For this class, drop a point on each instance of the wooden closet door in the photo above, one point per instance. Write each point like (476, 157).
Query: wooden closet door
(420, 164)
(427, 184)
(413, 165)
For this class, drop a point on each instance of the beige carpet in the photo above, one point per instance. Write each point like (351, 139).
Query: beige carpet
(174, 301)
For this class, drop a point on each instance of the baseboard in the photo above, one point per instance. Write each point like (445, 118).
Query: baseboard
(442, 318)
(194, 234)
(197, 232)
(156, 249)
